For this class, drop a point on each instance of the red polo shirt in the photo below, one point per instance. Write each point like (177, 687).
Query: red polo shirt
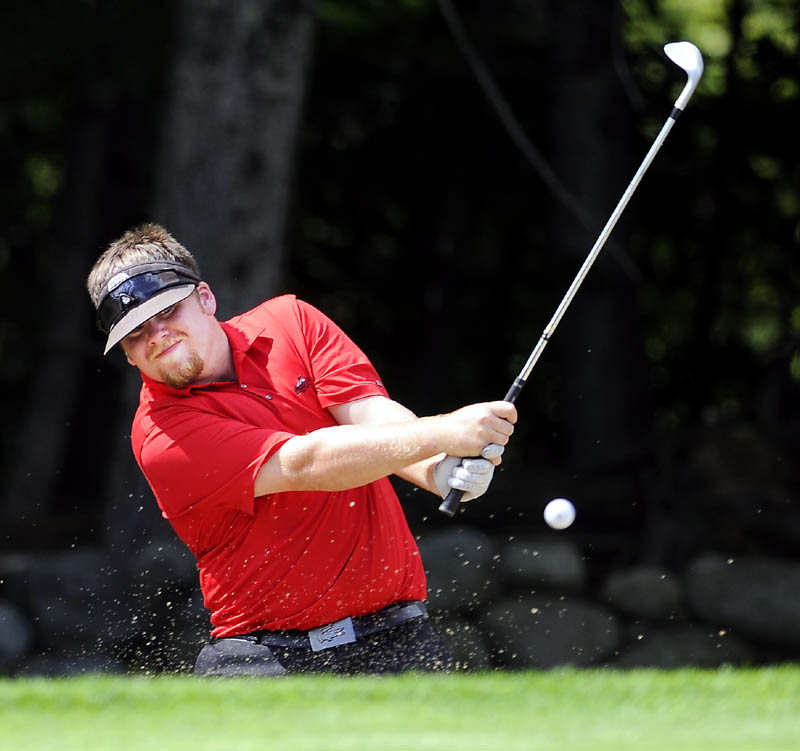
(292, 560)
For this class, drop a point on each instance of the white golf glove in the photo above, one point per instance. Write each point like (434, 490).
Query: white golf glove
(470, 475)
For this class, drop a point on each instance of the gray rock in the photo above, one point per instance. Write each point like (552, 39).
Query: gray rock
(186, 632)
(17, 634)
(467, 643)
(164, 563)
(543, 631)
(191, 619)
(74, 596)
(460, 568)
(15, 576)
(755, 596)
(644, 592)
(546, 563)
(684, 646)
(67, 666)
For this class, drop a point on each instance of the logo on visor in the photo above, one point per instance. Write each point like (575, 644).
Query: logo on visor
(116, 280)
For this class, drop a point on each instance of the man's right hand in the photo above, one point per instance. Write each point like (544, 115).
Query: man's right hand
(467, 431)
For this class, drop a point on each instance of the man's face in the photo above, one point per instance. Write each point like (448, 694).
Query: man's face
(172, 347)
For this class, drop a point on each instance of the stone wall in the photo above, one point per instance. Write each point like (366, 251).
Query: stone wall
(692, 560)
(527, 602)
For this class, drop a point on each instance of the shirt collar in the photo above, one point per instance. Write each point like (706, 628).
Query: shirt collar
(157, 387)
(241, 340)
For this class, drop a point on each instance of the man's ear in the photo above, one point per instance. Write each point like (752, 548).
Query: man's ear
(206, 298)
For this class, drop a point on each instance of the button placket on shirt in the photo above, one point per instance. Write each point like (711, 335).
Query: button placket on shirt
(244, 386)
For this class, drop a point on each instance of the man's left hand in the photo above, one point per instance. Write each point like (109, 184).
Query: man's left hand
(473, 476)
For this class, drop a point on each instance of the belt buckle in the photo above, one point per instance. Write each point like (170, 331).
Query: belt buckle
(332, 635)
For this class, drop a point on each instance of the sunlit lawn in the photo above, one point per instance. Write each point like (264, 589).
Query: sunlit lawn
(596, 709)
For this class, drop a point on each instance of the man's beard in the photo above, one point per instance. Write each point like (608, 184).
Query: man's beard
(184, 374)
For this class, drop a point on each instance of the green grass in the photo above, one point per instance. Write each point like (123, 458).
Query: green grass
(563, 709)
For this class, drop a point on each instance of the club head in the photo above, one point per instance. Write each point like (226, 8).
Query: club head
(686, 55)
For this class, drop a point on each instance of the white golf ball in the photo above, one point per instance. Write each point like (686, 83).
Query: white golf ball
(559, 513)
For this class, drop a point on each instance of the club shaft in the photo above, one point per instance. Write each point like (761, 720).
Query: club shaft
(450, 504)
(595, 251)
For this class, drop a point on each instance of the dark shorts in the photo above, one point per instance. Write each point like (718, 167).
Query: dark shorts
(413, 645)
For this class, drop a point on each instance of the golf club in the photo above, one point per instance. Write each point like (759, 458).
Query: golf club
(685, 55)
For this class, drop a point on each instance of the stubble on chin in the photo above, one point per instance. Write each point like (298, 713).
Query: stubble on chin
(185, 374)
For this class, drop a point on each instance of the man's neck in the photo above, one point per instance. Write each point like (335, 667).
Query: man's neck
(219, 365)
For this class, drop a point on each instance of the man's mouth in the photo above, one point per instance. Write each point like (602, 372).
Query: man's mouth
(166, 348)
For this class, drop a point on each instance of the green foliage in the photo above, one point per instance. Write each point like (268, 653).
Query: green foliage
(717, 290)
(773, 20)
(721, 277)
(418, 225)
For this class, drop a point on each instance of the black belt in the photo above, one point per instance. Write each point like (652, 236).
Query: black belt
(340, 632)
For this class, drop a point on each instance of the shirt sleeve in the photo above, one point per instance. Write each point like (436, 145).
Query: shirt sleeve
(196, 460)
(342, 372)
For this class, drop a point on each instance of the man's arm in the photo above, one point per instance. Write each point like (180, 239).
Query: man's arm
(350, 455)
(378, 410)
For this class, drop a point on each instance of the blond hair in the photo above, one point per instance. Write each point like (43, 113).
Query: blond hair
(147, 243)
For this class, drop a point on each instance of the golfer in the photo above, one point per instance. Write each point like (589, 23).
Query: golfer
(268, 440)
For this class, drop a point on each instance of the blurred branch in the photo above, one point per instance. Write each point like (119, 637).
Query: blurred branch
(521, 140)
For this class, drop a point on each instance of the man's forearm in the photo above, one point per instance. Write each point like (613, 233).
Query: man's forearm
(348, 456)
(375, 410)
(421, 473)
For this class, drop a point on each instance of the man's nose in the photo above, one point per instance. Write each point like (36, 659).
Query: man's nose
(155, 328)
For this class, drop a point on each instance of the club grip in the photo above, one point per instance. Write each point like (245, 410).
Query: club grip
(449, 505)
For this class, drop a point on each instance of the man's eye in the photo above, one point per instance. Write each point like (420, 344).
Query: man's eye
(137, 332)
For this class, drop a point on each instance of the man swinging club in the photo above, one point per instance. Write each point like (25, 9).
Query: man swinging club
(268, 440)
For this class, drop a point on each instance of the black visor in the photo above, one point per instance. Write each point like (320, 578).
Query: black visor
(135, 290)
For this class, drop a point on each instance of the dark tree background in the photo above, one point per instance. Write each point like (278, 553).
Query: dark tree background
(351, 152)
